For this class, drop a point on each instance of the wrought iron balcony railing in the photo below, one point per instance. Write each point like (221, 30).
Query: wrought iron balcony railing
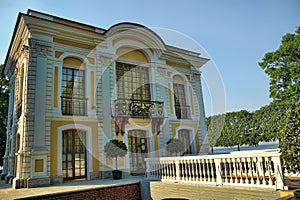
(183, 111)
(73, 106)
(139, 108)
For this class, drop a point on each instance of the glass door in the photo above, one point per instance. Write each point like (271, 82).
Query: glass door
(138, 148)
(74, 155)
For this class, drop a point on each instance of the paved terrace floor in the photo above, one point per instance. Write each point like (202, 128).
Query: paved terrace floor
(155, 189)
(7, 193)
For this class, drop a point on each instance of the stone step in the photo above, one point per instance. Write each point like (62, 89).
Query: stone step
(292, 182)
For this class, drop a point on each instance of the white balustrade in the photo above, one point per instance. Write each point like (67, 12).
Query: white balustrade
(251, 168)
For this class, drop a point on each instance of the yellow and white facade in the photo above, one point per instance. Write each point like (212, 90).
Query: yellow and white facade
(73, 87)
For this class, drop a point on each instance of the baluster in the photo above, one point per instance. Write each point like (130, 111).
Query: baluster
(213, 173)
(160, 169)
(196, 170)
(247, 172)
(234, 170)
(244, 169)
(186, 170)
(201, 169)
(177, 170)
(205, 170)
(230, 170)
(193, 170)
(240, 174)
(164, 170)
(270, 171)
(251, 171)
(168, 170)
(209, 170)
(262, 170)
(190, 169)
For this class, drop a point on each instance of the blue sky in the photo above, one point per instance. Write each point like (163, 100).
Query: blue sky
(235, 34)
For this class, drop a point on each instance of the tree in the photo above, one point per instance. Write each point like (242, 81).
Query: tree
(215, 125)
(235, 129)
(3, 109)
(283, 67)
(230, 129)
(268, 121)
(289, 145)
(175, 146)
(114, 149)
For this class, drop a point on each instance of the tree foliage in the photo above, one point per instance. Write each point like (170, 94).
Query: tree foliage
(283, 67)
(289, 145)
(114, 149)
(229, 129)
(3, 116)
(175, 146)
(267, 123)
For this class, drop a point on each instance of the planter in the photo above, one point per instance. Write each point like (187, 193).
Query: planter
(297, 194)
(117, 174)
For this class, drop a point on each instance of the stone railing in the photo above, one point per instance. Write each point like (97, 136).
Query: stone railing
(251, 168)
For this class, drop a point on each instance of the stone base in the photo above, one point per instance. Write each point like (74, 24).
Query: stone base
(39, 181)
(56, 180)
(106, 174)
(19, 183)
(94, 175)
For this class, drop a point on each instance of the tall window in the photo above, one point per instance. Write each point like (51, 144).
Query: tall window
(132, 82)
(73, 92)
(179, 94)
(184, 136)
(181, 108)
(20, 91)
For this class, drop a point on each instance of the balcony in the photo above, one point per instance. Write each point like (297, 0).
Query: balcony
(73, 106)
(183, 111)
(138, 108)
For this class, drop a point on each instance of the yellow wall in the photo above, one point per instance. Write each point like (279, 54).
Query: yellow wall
(173, 64)
(54, 147)
(73, 61)
(75, 44)
(178, 79)
(132, 54)
(194, 126)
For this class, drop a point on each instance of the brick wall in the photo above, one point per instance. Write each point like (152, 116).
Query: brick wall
(120, 192)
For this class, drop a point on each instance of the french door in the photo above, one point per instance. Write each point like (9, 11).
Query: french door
(184, 136)
(74, 154)
(138, 147)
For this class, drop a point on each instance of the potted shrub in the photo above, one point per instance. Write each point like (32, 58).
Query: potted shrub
(114, 149)
(175, 146)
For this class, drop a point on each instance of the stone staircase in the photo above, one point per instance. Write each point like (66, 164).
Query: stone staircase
(293, 183)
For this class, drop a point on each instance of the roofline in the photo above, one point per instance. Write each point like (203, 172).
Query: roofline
(68, 20)
(170, 47)
(11, 41)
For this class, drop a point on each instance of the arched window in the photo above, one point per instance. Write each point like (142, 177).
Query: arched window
(73, 87)
(181, 108)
